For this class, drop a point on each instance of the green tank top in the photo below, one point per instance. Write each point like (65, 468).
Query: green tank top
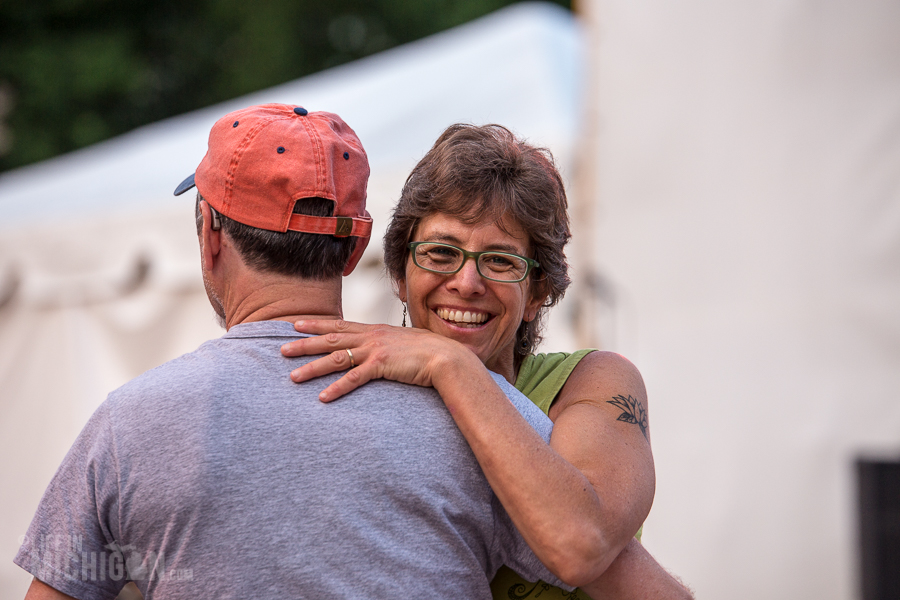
(541, 377)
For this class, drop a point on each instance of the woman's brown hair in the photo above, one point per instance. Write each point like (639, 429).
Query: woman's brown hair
(476, 173)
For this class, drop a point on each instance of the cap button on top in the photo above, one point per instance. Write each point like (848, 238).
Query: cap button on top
(301, 111)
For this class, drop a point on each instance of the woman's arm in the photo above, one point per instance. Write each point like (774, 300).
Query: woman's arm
(571, 526)
(601, 428)
(635, 575)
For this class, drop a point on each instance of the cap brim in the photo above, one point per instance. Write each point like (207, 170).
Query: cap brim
(185, 185)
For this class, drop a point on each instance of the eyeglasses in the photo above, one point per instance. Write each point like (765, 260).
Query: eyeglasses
(447, 259)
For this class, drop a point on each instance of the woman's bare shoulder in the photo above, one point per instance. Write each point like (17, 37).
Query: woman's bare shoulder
(602, 376)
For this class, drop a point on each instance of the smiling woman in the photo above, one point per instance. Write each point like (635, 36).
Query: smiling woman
(475, 248)
(464, 305)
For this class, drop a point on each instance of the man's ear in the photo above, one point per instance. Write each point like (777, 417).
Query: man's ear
(361, 243)
(210, 239)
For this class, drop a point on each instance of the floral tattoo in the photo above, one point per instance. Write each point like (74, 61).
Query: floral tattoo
(633, 412)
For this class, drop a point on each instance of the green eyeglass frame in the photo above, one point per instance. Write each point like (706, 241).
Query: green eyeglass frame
(529, 263)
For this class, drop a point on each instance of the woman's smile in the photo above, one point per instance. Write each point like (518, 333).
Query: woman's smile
(462, 318)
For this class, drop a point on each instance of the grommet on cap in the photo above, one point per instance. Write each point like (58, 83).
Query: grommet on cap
(346, 156)
(235, 123)
(301, 111)
(280, 149)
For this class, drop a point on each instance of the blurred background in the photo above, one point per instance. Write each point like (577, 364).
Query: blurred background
(734, 180)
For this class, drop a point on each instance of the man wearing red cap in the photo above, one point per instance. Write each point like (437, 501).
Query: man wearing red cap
(215, 476)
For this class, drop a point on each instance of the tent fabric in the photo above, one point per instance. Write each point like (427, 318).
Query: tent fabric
(748, 213)
(99, 266)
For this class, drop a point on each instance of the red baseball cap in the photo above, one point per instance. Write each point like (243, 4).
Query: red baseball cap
(263, 159)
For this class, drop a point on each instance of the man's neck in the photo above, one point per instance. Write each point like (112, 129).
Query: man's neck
(283, 299)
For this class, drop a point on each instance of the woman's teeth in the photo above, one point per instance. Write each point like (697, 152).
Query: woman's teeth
(462, 316)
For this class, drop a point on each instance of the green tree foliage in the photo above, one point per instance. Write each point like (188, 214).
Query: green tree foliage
(75, 72)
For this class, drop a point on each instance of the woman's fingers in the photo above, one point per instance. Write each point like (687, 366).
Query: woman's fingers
(336, 361)
(339, 360)
(343, 334)
(321, 344)
(346, 384)
(378, 351)
(322, 326)
(328, 337)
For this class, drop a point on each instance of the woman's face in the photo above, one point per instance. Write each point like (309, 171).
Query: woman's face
(495, 309)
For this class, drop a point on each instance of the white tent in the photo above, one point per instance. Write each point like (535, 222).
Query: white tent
(748, 211)
(99, 272)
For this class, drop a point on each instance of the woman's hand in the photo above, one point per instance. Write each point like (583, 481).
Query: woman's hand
(404, 354)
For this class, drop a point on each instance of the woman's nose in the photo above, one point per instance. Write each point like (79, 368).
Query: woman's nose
(467, 281)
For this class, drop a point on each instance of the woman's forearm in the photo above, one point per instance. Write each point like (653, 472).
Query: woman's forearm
(635, 575)
(550, 501)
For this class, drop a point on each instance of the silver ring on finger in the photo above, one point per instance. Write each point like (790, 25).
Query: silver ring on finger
(350, 354)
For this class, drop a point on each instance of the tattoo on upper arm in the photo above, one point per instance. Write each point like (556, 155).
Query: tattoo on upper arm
(633, 412)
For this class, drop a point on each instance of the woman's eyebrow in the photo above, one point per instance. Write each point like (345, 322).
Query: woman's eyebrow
(449, 238)
(508, 248)
(443, 237)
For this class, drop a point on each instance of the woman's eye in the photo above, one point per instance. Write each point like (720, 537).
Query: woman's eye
(442, 254)
(498, 261)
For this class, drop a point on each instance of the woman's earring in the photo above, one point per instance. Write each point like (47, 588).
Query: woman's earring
(404, 314)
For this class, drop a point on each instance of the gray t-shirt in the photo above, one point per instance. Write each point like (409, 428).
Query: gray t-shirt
(215, 476)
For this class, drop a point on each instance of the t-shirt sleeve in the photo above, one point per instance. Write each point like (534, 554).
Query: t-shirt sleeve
(531, 413)
(70, 544)
(515, 552)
